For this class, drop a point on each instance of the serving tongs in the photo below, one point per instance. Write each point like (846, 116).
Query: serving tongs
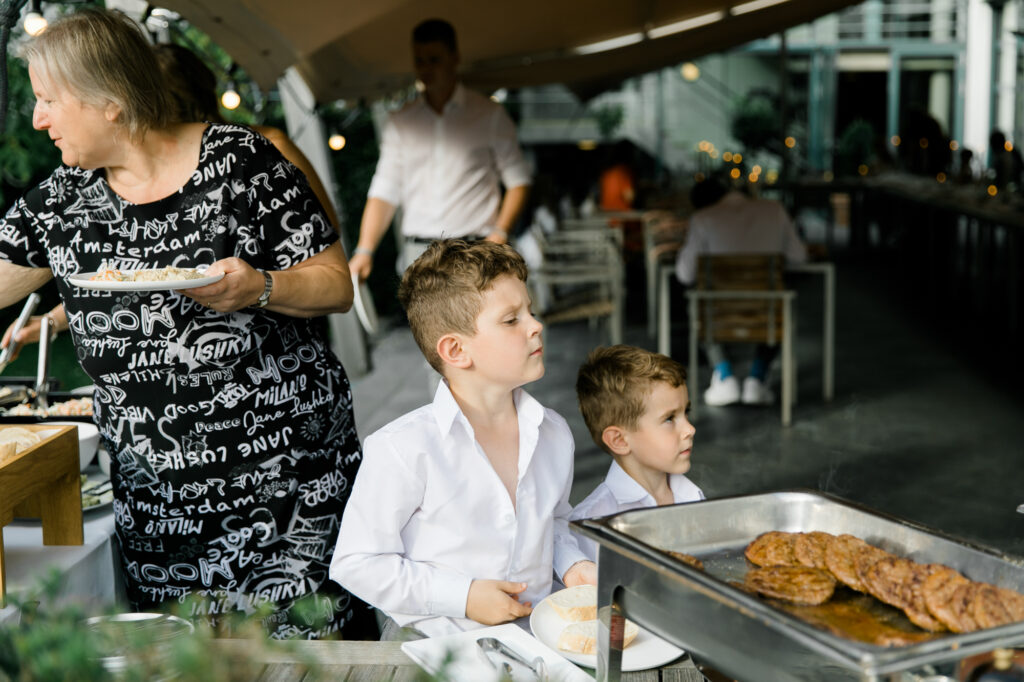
(8, 353)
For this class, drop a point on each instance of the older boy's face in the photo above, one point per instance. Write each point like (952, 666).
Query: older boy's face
(506, 349)
(663, 438)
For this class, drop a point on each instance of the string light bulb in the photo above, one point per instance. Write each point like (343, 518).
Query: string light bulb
(35, 22)
(230, 99)
(336, 141)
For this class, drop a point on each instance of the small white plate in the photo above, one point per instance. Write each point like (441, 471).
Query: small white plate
(468, 663)
(84, 281)
(363, 304)
(647, 650)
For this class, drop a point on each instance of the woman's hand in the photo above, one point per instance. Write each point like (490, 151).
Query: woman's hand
(319, 285)
(30, 332)
(240, 287)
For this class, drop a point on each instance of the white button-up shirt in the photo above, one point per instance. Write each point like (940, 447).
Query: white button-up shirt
(620, 492)
(444, 169)
(428, 514)
(738, 224)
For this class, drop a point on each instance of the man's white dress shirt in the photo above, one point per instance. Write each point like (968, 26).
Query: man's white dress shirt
(620, 492)
(428, 514)
(444, 169)
(738, 224)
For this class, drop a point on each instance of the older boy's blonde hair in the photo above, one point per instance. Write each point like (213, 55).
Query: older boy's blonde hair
(442, 291)
(102, 57)
(614, 383)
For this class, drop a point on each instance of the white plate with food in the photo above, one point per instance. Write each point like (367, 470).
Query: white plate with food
(160, 279)
(566, 618)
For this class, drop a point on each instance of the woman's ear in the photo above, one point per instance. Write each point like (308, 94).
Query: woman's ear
(112, 111)
(452, 352)
(614, 437)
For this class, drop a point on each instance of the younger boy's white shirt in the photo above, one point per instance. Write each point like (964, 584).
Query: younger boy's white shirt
(620, 492)
(428, 514)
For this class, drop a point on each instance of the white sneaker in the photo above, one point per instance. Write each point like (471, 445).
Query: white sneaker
(722, 391)
(756, 393)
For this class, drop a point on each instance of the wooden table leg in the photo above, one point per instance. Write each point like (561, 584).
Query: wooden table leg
(60, 508)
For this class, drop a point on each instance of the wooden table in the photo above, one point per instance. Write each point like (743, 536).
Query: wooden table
(384, 661)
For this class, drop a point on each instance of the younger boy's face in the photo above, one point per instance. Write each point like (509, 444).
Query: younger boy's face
(506, 349)
(663, 438)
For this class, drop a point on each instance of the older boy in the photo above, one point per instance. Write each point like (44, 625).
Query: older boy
(460, 508)
(634, 403)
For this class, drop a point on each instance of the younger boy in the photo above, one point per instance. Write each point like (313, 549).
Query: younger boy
(634, 403)
(460, 508)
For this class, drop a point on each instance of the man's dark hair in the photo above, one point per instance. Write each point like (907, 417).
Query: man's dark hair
(707, 192)
(435, 31)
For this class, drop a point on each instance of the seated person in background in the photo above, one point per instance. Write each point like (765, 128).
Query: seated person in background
(634, 403)
(459, 514)
(726, 221)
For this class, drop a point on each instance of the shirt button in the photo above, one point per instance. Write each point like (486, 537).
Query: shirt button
(509, 518)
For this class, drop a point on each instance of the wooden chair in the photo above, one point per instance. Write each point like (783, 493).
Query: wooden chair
(741, 298)
(663, 235)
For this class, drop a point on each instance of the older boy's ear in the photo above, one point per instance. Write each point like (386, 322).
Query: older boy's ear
(614, 437)
(452, 352)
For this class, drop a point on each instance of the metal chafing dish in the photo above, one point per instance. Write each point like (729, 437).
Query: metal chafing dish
(738, 633)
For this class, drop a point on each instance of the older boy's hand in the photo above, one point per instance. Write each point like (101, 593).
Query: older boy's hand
(580, 573)
(494, 601)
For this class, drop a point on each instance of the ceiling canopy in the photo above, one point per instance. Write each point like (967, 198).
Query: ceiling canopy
(347, 49)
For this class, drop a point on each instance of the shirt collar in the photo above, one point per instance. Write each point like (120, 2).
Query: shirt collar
(623, 487)
(456, 101)
(447, 411)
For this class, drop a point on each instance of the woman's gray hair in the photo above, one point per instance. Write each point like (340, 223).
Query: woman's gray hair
(103, 57)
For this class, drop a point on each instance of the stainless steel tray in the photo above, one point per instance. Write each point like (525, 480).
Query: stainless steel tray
(744, 636)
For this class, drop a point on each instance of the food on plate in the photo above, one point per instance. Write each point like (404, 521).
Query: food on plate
(774, 548)
(581, 637)
(686, 559)
(159, 275)
(575, 604)
(933, 597)
(19, 436)
(76, 407)
(95, 493)
(797, 584)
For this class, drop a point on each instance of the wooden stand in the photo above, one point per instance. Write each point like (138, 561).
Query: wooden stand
(43, 482)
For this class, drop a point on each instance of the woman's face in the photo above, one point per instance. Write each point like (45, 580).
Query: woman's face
(84, 134)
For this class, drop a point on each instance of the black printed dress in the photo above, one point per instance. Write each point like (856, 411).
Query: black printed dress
(232, 437)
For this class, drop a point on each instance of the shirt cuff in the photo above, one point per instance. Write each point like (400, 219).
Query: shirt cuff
(566, 557)
(382, 188)
(449, 593)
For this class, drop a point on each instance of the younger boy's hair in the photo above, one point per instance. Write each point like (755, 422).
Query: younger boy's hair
(614, 382)
(442, 291)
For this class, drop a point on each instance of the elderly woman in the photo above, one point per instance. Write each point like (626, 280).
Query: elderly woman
(228, 418)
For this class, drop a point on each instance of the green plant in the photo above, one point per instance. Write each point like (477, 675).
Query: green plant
(855, 147)
(54, 644)
(609, 117)
(755, 121)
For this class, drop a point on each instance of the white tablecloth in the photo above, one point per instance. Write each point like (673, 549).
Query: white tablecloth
(88, 571)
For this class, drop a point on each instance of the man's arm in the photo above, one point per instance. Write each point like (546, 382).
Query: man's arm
(511, 206)
(376, 218)
(18, 281)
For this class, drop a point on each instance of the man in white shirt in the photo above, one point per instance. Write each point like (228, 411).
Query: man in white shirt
(727, 221)
(634, 403)
(459, 513)
(442, 158)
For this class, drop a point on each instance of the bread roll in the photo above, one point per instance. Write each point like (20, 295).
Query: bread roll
(21, 437)
(581, 638)
(575, 604)
(7, 450)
